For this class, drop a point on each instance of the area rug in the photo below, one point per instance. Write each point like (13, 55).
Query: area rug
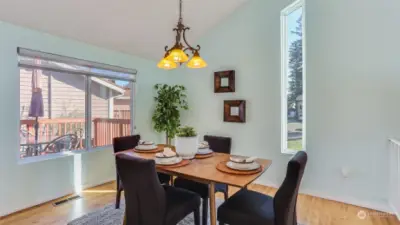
(111, 216)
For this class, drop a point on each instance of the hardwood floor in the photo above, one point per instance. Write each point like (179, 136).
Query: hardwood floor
(311, 210)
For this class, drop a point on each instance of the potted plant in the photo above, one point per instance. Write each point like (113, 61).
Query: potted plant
(186, 142)
(170, 100)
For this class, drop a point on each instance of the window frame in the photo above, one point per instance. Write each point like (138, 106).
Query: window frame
(131, 78)
(284, 75)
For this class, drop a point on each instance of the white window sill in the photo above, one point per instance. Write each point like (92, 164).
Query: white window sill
(290, 151)
(59, 155)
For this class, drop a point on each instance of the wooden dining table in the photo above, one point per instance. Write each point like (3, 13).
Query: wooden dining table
(205, 171)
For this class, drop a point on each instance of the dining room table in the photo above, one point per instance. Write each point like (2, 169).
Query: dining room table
(205, 171)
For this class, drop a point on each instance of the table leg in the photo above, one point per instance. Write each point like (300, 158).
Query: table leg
(124, 221)
(213, 211)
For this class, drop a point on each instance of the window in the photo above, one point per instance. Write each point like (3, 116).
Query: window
(68, 104)
(293, 94)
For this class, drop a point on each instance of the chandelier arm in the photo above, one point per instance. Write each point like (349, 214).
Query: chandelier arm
(167, 49)
(187, 44)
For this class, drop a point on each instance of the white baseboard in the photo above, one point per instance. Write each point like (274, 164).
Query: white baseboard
(56, 196)
(97, 183)
(397, 213)
(379, 206)
(35, 203)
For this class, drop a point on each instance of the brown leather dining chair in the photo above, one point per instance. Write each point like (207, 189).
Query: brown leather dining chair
(217, 144)
(147, 201)
(126, 143)
(249, 207)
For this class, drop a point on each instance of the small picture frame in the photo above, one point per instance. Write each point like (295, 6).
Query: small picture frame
(224, 81)
(235, 111)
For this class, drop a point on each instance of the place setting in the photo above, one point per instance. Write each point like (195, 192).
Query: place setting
(147, 147)
(204, 151)
(240, 165)
(169, 158)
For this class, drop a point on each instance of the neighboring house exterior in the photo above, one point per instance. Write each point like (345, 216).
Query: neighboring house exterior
(122, 105)
(64, 95)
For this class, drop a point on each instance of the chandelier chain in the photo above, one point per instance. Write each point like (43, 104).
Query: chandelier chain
(180, 11)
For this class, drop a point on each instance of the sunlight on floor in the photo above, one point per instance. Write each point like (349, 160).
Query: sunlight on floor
(98, 191)
(78, 173)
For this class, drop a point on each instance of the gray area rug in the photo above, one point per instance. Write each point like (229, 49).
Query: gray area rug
(111, 216)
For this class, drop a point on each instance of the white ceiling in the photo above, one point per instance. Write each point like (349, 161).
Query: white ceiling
(138, 27)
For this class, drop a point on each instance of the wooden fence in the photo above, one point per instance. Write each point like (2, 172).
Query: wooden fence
(122, 114)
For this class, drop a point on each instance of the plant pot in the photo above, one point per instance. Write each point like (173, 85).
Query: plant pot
(186, 147)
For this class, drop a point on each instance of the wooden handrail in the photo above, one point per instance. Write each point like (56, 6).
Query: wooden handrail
(123, 121)
(104, 130)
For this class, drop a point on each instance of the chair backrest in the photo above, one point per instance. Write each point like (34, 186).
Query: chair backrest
(219, 144)
(144, 196)
(285, 199)
(125, 143)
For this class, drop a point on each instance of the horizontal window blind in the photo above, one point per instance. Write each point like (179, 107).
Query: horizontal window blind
(32, 59)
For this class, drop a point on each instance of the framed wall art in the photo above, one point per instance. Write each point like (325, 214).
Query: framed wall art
(224, 81)
(235, 111)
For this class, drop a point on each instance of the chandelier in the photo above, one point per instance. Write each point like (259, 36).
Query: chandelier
(177, 54)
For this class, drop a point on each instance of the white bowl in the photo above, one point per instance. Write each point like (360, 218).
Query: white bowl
(168, 161)
(242, 166)
(146, 147)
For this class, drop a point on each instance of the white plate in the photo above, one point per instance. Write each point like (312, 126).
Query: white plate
(175, 160)
(245, 167)
(204, 151)
(146, 147)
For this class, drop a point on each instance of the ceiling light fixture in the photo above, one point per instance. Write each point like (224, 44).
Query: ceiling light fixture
(177, 54)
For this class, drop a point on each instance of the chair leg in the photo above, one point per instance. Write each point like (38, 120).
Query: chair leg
(117, 199)
(197, 216)
(225, 195)
(205, 212)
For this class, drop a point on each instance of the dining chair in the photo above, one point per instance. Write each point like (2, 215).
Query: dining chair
(249, 207)
(217, 144)
(126, 143)
(147, 201)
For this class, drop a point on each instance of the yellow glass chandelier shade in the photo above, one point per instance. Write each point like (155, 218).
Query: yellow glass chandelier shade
(166, 64)
(177, 55)
(196, 62)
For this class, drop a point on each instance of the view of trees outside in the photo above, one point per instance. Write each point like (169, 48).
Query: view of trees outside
(295, 81)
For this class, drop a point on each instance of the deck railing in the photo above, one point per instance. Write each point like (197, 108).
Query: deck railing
(103, 129)
(106, 129)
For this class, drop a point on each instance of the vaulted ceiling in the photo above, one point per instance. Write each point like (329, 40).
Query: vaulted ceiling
(138, 27)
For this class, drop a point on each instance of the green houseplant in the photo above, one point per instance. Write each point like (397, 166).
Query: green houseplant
(186, 142)
(186, 132)
(170, 100)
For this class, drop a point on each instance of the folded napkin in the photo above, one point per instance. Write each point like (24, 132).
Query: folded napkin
(203, 144)
(166, 153)
(143, 142)
(243, 160)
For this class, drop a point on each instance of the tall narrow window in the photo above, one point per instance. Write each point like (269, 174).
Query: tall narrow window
(293, 78)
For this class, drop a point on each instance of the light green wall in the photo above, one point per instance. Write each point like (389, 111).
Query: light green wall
(22, 186)
(352, 92)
